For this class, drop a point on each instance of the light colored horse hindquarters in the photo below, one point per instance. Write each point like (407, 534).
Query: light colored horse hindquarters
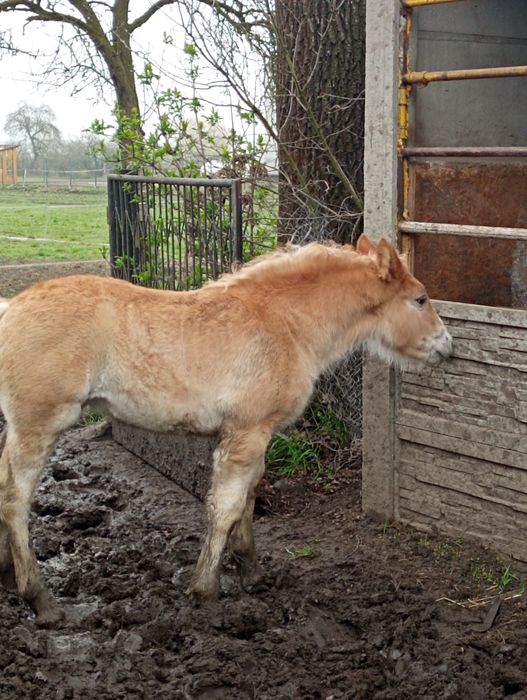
(238, 357)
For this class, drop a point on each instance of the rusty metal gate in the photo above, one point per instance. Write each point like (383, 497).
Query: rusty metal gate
(446, 101)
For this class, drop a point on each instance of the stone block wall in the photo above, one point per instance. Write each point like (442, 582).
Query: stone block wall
(461, 433)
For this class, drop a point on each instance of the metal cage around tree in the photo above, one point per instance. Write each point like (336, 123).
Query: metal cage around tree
(173, 233)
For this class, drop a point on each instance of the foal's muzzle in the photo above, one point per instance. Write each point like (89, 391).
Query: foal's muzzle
(439, 346)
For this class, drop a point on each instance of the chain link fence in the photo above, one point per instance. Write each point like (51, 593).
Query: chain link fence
(62, 179)
(340, 388)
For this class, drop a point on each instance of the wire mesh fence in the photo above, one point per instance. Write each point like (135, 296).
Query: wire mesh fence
(62, 179)
(340, 389)
(173, 233)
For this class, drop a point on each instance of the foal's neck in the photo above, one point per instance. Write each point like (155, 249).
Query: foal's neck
(328, 313)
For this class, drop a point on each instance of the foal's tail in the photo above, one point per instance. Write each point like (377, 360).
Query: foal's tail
(4, 305)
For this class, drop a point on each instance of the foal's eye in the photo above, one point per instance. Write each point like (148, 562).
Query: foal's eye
(421, 301)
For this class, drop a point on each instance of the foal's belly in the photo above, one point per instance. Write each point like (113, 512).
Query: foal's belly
(150, 416)
(159, 413)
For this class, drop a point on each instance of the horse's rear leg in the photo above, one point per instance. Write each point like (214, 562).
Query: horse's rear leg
(3, 437)
(241, 540)
(7, 572)
(237, 468)
(21, 464)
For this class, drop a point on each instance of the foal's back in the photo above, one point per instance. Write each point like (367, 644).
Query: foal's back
(152, 358)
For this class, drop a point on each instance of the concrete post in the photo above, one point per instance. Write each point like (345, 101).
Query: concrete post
(380, 221)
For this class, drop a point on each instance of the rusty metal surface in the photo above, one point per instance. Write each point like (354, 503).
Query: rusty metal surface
(468, 270)
(491, 194)
(458, 268)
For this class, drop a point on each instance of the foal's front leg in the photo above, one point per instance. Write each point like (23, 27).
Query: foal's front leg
(237, 468)
(7, 570)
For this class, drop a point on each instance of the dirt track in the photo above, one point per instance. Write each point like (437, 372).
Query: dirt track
(14, 278)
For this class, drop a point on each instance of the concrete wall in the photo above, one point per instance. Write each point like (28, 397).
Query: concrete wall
(446, 448)
(461, 433)
(183, 457)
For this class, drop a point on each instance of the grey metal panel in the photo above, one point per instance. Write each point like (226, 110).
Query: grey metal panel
(471, 34)
(183, 457)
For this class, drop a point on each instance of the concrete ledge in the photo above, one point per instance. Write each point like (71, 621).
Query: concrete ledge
(183, 457)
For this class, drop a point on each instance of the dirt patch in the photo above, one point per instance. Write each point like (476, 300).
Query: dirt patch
(363, 615)
(16, 277)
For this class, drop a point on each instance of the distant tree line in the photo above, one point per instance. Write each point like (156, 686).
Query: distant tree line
(41, 145)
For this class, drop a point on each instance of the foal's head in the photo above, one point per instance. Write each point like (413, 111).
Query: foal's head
(406, 324)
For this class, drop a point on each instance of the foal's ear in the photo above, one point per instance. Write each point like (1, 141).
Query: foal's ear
(388, 262)
(365, 246)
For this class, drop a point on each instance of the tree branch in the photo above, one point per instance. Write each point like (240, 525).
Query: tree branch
(40, 13)
(155, 7)
(93, 27)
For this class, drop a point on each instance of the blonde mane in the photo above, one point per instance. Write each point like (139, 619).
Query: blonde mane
(290, 259)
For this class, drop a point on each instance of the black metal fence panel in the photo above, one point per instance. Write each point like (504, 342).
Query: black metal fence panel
(173, 233)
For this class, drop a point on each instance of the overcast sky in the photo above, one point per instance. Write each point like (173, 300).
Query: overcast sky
(73, 114)
(19, 82)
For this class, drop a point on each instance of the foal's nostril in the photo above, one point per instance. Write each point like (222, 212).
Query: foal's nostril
(442, 333)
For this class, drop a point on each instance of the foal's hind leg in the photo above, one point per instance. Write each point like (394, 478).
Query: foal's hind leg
(21, 464)
(3, 437)
(236, 471)
(241, 540)
(7, 572)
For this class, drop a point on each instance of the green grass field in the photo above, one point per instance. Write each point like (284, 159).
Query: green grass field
(58, 225)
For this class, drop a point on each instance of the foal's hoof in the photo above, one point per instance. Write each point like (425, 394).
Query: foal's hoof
(7, 578)
(252, 579)
(51, 617)
(199, 596)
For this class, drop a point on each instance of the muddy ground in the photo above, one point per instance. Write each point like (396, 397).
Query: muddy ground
(364, 615)
(350, 608)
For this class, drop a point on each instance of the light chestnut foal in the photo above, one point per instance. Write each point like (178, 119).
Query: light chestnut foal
(238, 358)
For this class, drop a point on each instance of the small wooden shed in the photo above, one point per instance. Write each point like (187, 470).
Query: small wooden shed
(8, 155)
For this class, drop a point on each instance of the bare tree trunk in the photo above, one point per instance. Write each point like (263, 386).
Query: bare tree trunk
(320, 67)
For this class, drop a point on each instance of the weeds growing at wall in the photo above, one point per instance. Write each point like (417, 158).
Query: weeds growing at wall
(318, 446)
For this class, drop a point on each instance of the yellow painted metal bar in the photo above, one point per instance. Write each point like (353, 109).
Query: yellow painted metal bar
(404, 96)
(403, 118)
(425, 76)
(422, 3)
(405, 164)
